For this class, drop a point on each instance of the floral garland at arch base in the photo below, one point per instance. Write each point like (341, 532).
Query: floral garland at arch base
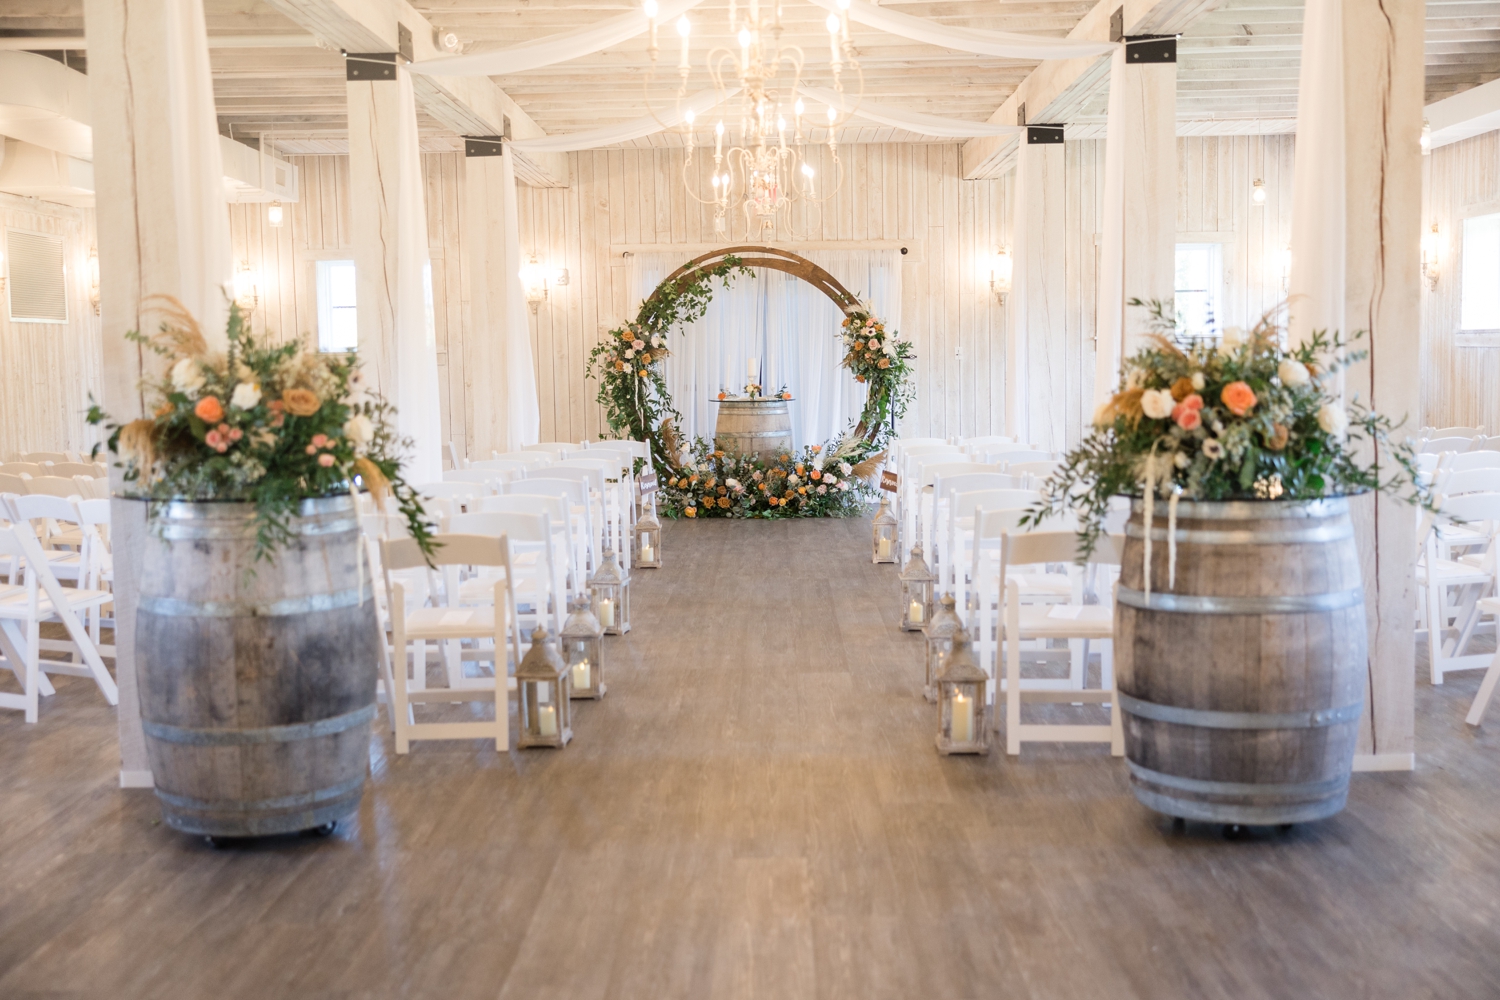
(828, 480)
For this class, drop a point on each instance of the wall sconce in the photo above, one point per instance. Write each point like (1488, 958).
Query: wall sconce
(246, 287)
(1002, 268)
(1431, 257)
(536, 280)
(94, 279)
(274, 215)
(1258, 192)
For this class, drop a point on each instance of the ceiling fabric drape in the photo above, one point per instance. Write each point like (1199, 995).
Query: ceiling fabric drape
(637, 128)
(1005, 44)
(912, 121)
(789, 327)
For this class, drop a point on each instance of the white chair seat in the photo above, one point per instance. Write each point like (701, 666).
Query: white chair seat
(1487, 605)
(13, 604)
(450, 623)
(1066, 621)
(1452, 573)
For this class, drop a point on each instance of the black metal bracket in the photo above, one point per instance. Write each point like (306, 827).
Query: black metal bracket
(1043, 135)
(483, 145)
(1143, 49)
(369, 65)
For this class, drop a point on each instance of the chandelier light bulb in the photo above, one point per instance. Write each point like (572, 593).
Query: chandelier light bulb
(832, 24)
(649, 8)
(833, 115)
(690, 116)
(807, 170)
(744, 38)
(719, 129)
(684, 26)
(780, 124)
(799, 108)
(716, 180)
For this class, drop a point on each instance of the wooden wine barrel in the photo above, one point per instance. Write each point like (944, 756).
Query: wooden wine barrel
(1242, 685)
(761, 427)
(256, 679)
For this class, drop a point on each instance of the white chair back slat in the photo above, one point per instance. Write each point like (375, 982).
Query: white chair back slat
(1455, 444)
(1481, 459)
(526, 458)
(1430, 433)
(22, 469)
(41, 457)
(13, 484)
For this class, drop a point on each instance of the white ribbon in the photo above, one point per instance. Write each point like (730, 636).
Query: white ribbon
(553, 49)
(911, 121)
(1005, 44)
(611, 135)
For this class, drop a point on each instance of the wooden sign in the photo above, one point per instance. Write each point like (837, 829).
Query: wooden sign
(889, 481)
(647, 482)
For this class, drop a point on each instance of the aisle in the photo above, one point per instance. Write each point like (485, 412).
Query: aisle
(754, 811)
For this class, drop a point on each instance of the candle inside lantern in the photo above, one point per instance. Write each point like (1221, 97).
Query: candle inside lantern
(581, 675)
(607, 613)
(645, 552)
(962, 730)
(885, 548)
(914, 613)
(546, 720)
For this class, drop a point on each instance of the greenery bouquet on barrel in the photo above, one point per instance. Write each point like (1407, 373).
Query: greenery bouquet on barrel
(1239, 418)
(265, 425)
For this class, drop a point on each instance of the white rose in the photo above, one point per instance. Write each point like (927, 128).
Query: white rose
(819, 462)
(359, 429)
(793, 479)
(844, 485)
(246, 396)
(874, 344)
(831, 480)
(1157, 403)
(1292, 373)
(1333, 419)
(187, 375)
(822, 490)
(1181, 460)
(1198, 382)
(629, 353)
(845, 468)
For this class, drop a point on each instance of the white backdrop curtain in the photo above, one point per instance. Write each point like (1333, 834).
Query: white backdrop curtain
(785, 323)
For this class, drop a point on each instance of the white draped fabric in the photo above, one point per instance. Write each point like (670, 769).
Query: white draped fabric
(522, 410)
(669, 116)
(790, 327)
(1110, 311)
(1005, 44)
(553, 49)
(1316, 300)
(912, 121)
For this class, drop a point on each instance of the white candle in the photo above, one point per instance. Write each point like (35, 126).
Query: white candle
(607, 613)
(581, 675)
(645, 552)
(914, 613)
(546, 720)
(885, 548)
(753, 369)
(962, 730)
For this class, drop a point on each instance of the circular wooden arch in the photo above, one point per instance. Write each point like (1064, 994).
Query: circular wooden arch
(774, 259)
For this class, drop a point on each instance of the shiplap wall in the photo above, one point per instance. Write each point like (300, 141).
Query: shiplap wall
(48, 369)
(1460, 383)
(895, 194)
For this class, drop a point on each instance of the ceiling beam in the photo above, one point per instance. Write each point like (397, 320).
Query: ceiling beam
(1059, 87)
(467, 105)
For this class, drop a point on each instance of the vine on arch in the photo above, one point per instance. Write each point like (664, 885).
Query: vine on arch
(823, 480)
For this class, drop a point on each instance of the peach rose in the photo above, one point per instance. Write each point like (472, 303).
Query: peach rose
(325, 460)
(1187, 418)
(1279, 436)
(301, 402)
(209, 410)
(1238, 397)
(724, 502)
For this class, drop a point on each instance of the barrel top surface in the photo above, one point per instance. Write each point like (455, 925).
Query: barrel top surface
(748, 404)
(1247, 510)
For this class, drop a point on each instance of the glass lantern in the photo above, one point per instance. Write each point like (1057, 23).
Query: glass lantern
(963, 717)
(610, 588)
(945, 624)
(916, 592)
(583, 652)
(648, 539)
(543, 684)
(885, 534)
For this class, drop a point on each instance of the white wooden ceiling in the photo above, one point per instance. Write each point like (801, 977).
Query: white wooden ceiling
(1237, 66)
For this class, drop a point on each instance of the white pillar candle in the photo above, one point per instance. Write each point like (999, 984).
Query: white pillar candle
(581, 680)
(914, 613)
(546, 720)
(607, 613)
(885, 548)
(645, 552)
(753, 369)
(962, 730)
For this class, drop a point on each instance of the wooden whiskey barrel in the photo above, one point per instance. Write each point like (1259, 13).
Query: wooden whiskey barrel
(1242, 685)
(761, 427)
(256, 679)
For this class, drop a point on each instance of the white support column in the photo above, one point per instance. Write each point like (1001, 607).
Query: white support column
(1039, 373)
(390, 255)
(1139, 240)
(163, 230)
(502, 376)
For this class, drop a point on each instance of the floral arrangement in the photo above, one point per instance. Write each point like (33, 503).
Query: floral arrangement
(271, 426)
(1239, 418)
(716, 484)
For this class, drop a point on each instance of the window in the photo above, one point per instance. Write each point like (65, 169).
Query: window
(1479, 298)
(337, 329)
(38, 290)
(1199, 287)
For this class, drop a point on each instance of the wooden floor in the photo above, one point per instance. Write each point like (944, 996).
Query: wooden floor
(754, 811)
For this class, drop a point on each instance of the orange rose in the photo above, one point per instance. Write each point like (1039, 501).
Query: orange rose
(643, 373)
(884, 363)
(786, 395)
(163, 409)
(802, 490)
(1238, 397)
(301, 402)
(724, 502)
(721, 395)
(859, 378)
(816, 475)
(209, 410)
(691, 512)
(619, 366)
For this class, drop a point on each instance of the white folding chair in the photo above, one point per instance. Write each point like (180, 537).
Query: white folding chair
(962, 503)
(487, 481)
(55, 522)
(536, 577)
(1013, 454)
(98, 563)
(1454, 588)
(565, 529)
(935, 530)
(976, 446)
(461, 495)
(22, 469)
(592, 478)
(505, 469)
(1455, 444)
(449, 624)
(1429, 433)
(23, 609)
(92, 488)
(576, 492)
(559, 446)
(614, 470)
(1033, 473)
(40, 457)
(71, 469)
(57, 486)
(1479, 459)
(530, 459)
(14, 484)
(986, 588)
(1076, 622)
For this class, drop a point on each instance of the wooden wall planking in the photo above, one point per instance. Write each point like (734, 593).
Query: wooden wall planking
(48, 370)
(1460, 384)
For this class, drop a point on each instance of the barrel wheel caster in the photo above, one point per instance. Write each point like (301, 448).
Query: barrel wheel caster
(219, 843)
(326, 830)
(1285, 828)
(1179, 825)
(1236, 831)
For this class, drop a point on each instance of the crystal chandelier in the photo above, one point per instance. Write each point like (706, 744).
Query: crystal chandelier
(761, 164)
